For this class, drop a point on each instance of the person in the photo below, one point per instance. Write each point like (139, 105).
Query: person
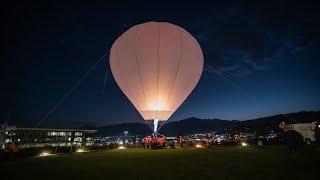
(162, 141)
(149, 142)
(293, 139)
(146, 142)
(181, 141)
(155, 140)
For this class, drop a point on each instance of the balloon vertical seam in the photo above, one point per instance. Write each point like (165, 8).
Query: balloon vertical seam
(140, 79)
(156, 117)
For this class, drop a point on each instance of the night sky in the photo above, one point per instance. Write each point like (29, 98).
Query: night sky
(260, 59)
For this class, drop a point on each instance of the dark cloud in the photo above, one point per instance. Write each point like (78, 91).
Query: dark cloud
(246, 39)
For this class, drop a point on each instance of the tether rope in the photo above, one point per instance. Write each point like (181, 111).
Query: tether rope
(45, 117)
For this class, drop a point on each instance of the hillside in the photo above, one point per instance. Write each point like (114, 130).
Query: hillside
(196, 125)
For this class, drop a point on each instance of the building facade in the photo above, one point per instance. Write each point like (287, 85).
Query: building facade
(38, 137)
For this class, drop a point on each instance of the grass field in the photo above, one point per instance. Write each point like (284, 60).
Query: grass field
(234, 162)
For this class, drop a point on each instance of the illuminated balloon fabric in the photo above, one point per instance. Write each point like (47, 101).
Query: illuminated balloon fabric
(156, 65)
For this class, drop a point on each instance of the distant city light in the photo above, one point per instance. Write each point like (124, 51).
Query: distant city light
(121, 147)
(80, 150)
(199, 146)
(244, 144)
(45, 153)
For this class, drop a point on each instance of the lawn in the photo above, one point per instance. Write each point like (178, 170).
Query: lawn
(234, 162)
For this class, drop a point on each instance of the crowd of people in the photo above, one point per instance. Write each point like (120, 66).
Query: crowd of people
(155, 141)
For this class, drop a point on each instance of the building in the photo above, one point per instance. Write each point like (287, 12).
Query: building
(39, 137)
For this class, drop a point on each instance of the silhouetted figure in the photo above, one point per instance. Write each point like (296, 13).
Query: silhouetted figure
(293, 139)
(181, 141)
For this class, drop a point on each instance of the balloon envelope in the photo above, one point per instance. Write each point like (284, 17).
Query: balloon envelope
(156, 65)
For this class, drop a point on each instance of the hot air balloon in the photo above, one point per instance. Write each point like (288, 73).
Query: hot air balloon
(156, 65)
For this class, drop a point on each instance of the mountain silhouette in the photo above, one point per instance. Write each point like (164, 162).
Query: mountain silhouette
(196, 125)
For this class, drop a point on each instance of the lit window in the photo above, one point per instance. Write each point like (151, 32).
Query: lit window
(61, 133)
(77, 139)
(78, 133)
